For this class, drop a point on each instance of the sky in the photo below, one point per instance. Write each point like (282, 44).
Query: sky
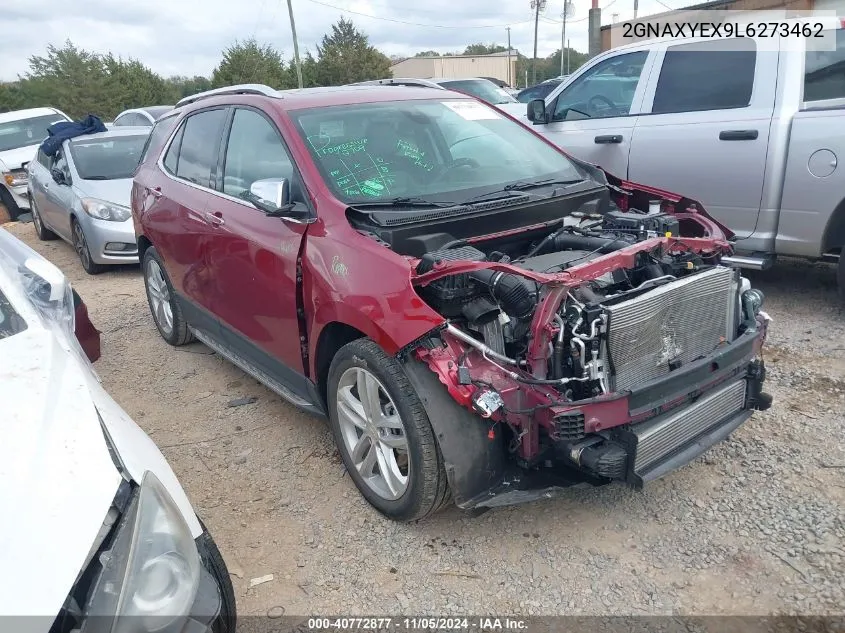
(186, 37)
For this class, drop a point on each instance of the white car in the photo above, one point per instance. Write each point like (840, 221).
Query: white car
(21, 132)
(97, 535)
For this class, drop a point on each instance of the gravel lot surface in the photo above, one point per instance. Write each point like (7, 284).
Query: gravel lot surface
(756, 526)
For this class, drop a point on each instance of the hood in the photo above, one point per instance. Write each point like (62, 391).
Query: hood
(58, 477)
(517, 110)
(115, 191)
(14, 158)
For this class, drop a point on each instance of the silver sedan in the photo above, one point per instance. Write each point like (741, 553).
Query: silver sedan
(82, 195)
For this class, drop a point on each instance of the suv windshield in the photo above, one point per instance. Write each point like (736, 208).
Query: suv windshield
(445, 151)
(481, 88)
(24, 132)
(109, 158)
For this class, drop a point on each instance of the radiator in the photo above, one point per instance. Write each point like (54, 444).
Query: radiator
(670, 326)
(661, 436)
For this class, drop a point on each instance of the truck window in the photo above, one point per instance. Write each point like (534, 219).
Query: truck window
(824, 72)
(714, 75)
(606, 90)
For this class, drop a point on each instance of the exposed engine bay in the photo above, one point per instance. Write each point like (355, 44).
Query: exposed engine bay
(611, 341)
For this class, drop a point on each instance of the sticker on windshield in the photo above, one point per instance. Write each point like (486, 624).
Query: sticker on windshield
(472, 110)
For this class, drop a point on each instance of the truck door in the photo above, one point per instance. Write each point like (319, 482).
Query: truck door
(704, 130)
(592, 116)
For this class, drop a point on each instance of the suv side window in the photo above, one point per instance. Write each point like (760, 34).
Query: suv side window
(198, 148)
(158, 135)
(255, 151)
(824, 72)
(606, 90)
(714, 75)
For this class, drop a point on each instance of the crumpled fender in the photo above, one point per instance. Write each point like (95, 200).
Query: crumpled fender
(475, 459)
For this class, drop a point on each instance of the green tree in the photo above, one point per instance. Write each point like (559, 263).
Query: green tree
(484, 49)
(427, 54)
(248, 62)
(309, 72)
(576, 60)
(345, 56)
(181, 87)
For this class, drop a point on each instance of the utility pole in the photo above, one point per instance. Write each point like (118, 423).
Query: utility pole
(295, 46)
(567, 13)
(636, 6)
(537, 5)
(510, 83)
(594, 29)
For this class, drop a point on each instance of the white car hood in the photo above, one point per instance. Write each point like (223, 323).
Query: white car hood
(14, 158)
(517, 110)
(58, 479)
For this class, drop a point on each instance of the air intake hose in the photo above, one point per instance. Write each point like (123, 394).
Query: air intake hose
(566, 241)
(512, 291)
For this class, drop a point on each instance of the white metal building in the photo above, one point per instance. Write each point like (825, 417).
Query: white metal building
(458, 67)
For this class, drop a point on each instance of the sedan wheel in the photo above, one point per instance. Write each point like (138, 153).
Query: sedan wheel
(80, 244)
(41, 231)
(373, 433)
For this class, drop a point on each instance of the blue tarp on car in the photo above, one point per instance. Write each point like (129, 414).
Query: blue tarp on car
(59, 132)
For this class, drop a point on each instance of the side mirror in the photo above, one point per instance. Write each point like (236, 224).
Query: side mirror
(58, 176)
(273, 197)
(273, 192)
(537, 111)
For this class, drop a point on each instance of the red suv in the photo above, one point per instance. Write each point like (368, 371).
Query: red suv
(480, 316)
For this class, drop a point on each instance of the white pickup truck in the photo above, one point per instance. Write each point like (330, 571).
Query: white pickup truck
(751, 129)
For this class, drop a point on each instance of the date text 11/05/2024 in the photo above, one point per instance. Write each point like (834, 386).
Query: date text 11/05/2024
(422, 623)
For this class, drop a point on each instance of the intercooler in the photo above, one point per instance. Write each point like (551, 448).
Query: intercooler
(666, 328)
(663, 435)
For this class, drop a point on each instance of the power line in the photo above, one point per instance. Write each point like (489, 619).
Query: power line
(434, 26)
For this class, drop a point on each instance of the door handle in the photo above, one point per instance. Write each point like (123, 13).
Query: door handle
(606, 139)
(738, 135)
(214, 219)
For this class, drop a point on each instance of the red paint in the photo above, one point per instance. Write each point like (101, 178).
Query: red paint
(87, 335)
(255, 273)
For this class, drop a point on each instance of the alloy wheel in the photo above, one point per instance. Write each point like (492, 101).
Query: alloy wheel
(81, 246)
(159, 295)
(373, 433)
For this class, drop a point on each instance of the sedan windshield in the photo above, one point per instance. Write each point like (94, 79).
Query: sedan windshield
(481, 88)
(445, 151)
(107, 158)
(24, 132)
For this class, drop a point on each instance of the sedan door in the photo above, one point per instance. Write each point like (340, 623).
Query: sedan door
(58, 198)
(40, 181)
(705, 133)
(254, 256)
(593, 116)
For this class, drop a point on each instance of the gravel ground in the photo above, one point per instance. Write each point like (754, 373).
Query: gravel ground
(756, 526)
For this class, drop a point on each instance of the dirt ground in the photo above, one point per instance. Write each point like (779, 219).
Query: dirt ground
(755, 526)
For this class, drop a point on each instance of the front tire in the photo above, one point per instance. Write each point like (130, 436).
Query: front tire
(80, 245)
(383, 433)
(44, 234)
(840, 274)
(164, 307)
(8, 201)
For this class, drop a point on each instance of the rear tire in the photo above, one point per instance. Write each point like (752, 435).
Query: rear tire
(161, 297)
(390, 453)
(44, 234)
(80, 244)
(840, 274)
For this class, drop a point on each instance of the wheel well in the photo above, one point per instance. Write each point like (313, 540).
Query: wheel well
(332, 338)
(143, 245)
(834, 233)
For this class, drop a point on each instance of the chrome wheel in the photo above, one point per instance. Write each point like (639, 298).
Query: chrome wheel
(373, 433)
(81, 246)
(158, 293)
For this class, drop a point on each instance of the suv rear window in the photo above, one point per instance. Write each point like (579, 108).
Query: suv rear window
(715, 75)
(824, 72)
(198, 148)
(11, 322)
(158, 135)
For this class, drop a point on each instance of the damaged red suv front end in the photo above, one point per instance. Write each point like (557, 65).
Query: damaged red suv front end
(635, 358)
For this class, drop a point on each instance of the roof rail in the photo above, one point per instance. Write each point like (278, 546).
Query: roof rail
(239, 89)
(400, 81)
